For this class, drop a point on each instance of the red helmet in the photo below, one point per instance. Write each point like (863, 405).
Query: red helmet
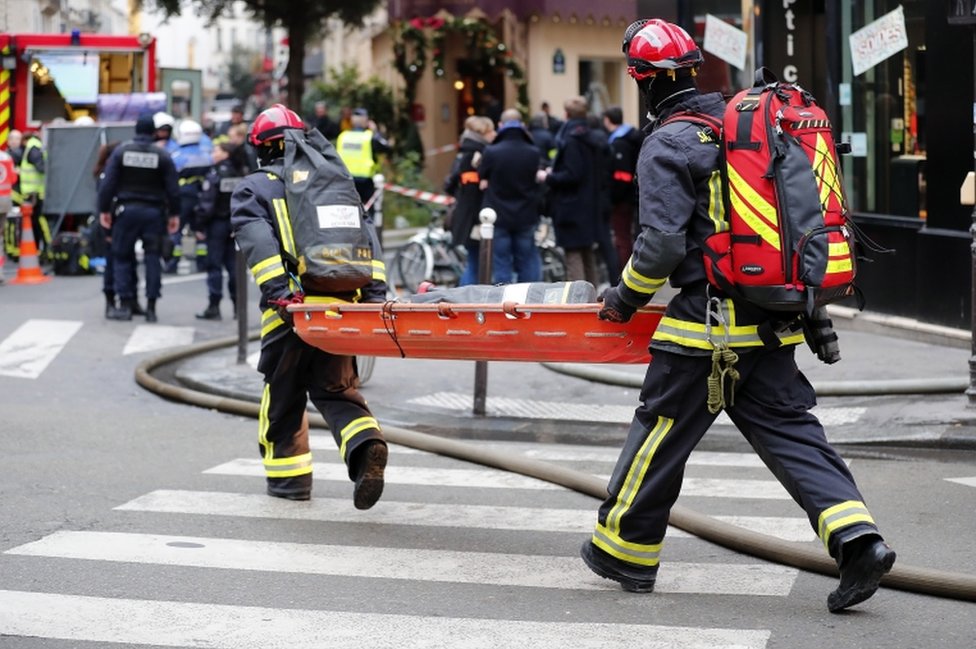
(271, 124)
(654, 45)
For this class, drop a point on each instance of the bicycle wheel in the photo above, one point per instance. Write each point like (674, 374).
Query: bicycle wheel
(365, 366)
(553, 265)
(411, 265)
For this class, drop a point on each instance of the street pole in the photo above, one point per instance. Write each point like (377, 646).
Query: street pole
(240, 280)
(971, 390)
(378, 182)
(487, 217)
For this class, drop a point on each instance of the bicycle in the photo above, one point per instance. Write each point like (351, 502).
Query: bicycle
(430, 256)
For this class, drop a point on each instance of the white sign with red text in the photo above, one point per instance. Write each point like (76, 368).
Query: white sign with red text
(879, 40)
(725, 41)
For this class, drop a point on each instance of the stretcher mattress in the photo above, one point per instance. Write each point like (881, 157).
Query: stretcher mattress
(507, 331)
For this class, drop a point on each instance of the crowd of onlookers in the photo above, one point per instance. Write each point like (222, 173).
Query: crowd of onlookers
(580, 171)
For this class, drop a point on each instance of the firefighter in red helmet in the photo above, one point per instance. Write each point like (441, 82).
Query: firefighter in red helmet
(293, 370)
(761, 389)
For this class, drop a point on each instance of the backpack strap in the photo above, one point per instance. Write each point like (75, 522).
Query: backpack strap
(701, 119)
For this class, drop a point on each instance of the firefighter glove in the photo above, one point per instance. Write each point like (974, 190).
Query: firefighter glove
(614, 308)
(818, 330)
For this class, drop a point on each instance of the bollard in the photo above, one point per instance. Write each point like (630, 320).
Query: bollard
(240, 281)
(378, 182)
(487, 217)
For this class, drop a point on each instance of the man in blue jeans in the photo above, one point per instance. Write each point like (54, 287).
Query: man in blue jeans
(508, 176)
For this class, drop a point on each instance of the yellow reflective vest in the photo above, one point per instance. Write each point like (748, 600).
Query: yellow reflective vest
(31, 178)
(356, 150)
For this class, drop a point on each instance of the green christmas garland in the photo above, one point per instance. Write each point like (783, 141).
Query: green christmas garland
(410, 39)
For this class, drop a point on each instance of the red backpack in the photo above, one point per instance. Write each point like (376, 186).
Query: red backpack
(789, 245)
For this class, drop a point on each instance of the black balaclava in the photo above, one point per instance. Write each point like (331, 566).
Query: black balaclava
(662, 89)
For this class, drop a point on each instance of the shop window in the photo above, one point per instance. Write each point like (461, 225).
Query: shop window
(885, 120)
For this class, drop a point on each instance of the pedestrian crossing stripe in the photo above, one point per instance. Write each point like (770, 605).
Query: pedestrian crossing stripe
(571, 411)
(389, 512)
(441, 566)
(33, 345)
(969, 482)
(496, 479)
(153, 337)
(220, 626)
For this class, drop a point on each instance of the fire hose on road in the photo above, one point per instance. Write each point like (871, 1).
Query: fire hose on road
(806, 557)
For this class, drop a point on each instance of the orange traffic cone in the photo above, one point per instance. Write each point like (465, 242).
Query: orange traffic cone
(29, 271)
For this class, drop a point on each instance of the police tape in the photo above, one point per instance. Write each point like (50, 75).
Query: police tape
(419, 194)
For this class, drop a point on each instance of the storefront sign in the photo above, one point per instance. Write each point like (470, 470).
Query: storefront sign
(725, 41)
(879, 40)
(790, 73)
(858, 142)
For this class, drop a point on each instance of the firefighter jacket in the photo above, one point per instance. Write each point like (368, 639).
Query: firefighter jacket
(139, 172)
(32, 168)
(262, 229)
(215, 193)
(680, 194)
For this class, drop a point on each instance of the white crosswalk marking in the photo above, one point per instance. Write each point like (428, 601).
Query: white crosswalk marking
(491, 568)
(167, 623)
(969, 482)
(494, 479)
(147, 338)
(389, 512)
(33, 345)
(533, 409)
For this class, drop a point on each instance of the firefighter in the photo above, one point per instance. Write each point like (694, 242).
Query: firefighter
(212, 222)
(770, 398)
(31, 173)
(8, 176)
(358, 148)
(140, 183)
(294, 370)
(193, 160)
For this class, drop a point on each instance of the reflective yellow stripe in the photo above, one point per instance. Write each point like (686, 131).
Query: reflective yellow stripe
(694, 334)
(287, 467)
(270, 320)
(635, 474)
(838, 249)
(353, 428)
(189, 180)
(755, 210)
(839, 265)
(716, 206)
(825, 170)
(267, 269)
(379, 270)
(284, 226)
(842, 515)
(612, 544)
(263, 422)
(640, 283)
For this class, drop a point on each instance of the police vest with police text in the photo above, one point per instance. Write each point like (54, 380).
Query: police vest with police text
(356, 150)
(140, 177)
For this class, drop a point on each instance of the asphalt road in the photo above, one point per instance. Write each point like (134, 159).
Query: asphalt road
(129, 520)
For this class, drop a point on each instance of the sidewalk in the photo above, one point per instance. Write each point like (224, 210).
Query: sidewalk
(531, 401)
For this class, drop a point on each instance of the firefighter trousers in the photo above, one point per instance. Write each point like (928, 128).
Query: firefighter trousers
(771, 407)
(294, 372)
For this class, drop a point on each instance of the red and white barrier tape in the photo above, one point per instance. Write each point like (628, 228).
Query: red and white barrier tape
(447, 148)
(420, 195)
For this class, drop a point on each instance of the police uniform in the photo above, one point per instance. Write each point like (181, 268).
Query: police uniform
(680, 205)
(358, 149)
(141, 179)
(294, 370)
(213, 218)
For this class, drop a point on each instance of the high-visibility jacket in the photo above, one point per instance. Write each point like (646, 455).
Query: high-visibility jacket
(31, 178)
(356, 150)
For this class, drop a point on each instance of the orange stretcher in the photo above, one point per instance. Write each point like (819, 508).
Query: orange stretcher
(483, 332)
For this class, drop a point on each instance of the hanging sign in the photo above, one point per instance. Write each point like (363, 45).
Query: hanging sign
(879, 40)
(725, 41)
(558, 62)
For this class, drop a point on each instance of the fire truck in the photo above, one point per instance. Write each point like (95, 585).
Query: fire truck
(44, 77)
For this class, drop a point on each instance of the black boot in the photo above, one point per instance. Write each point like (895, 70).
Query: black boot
(137, 308)
(151, 311)
(212, 312)
(121, 312)
(109, 302)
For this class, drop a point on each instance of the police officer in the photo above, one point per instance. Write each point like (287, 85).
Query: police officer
(212, 221)
(141, 180)
(193, 161)
(294, 370)
(772, 398)
(358, 147)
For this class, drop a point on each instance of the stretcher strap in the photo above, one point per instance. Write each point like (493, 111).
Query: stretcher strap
(389, 324)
